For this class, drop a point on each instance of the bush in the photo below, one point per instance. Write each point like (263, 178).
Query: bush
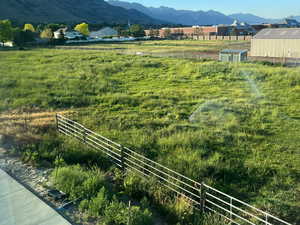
(133, 185)
(115, 213)
(76, 153)
(69, 180)
(94, 182)
(77, 182)
(183, 210)
(213, 219)
(96, 206)
(118, 213)
(140, 216)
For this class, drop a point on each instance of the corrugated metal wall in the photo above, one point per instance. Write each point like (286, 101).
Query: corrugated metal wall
(287, 48)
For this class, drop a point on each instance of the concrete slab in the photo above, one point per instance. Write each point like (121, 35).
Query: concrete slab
(18, 206)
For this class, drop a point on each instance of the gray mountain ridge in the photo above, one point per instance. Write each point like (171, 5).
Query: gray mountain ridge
(69, 11)
(184, 17)
(189, 17)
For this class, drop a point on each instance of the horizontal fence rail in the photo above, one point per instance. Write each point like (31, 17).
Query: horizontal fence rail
(200, 195)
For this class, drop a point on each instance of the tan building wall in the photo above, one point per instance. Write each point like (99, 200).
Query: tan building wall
(287, 48)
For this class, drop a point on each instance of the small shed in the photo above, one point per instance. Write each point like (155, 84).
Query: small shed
(233, 55)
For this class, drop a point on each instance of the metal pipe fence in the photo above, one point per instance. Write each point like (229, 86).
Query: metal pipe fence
(200, 195)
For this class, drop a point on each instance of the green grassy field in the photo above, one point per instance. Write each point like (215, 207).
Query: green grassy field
(168, 46)
(233, 126)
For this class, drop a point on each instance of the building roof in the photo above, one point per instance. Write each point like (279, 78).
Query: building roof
(64, 30)
(278, 33)
(291, 22)
(107, 31)
(233, 51)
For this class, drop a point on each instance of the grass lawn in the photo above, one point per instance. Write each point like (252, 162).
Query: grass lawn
(233, 126)
(167, 46)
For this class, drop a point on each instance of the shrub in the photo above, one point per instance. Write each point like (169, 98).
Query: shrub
(84, 205)
(183, 210)
(140, 216)
(93, 183)
(213, 219)
(69, 180)
(134, 185)
(76, 153)
(77, 182)
(118, 213)
(115, 213)
(96, 206)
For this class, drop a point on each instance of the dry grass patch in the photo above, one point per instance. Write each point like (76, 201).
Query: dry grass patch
(24, 127)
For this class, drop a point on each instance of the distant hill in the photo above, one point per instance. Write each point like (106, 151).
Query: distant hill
(252, 19)
(185, 17)
(189, 17)
(295, 17)
(92, 11)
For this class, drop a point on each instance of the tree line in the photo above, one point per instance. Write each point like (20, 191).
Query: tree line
(29, 33)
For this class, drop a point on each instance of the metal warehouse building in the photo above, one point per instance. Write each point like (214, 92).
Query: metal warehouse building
(282, 42)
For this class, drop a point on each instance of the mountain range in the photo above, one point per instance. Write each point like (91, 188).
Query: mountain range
(252, 19)
(70, 11)
(189, 17)
(113, 12)
(184, 17)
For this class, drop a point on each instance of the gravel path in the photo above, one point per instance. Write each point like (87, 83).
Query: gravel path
(36, 180)
(33, 177)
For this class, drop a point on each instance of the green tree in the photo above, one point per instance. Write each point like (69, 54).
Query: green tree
(47, 33)
(40, 28)
(83, 28)
(167, 33)
(122, 31)
(18, 38)
(137, 30)
(156, 33)
(29, 27)
(53, 26)
(198, 31)
(21, 37)
(151, 33)
(6, 31)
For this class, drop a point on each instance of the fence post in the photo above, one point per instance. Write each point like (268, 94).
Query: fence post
(84, 135)
(56, 119)
(230, 210)
(202, 197)
(122, 158)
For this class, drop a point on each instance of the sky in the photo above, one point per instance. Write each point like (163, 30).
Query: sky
(263, 8)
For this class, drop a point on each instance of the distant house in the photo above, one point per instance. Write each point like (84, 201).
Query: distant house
(241, 28)
(60, 33)
(286, 23)
(104, 32)
(235, 29)
(291, 23)
(8, 44)
(73, 35)
(63, 33)
(277, 42)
